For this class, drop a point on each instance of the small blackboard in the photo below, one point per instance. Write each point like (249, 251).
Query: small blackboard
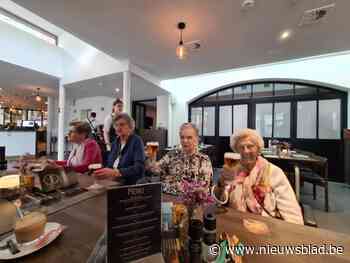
(133, 222)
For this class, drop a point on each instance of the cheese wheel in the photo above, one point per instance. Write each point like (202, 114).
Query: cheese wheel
(30, 227)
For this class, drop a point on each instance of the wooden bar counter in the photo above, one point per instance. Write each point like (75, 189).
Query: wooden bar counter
(86, 221)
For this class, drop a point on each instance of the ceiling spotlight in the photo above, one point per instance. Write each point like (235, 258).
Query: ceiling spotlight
(117, 90)
(285, 34)
(181, 51)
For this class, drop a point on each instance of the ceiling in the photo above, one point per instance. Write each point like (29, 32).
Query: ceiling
(145, 32)
(19, 85)
(107, 85)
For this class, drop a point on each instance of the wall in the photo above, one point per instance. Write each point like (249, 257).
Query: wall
(82, 61)
(20, 48)
(93, 103)
(164, 112)
(331, 70)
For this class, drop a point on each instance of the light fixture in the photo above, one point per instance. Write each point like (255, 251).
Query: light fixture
(117, 90)
(181, 51)
(285, 34)
(37, 97)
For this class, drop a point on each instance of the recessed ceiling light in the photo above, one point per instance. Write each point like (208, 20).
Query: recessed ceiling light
(117, 90)
(285, 34)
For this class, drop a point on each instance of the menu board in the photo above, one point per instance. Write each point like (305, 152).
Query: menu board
(134, 222)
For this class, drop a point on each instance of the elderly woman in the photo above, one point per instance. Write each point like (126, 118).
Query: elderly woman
(85, 150)
(126, 160)
(256, 185)
(184, 164)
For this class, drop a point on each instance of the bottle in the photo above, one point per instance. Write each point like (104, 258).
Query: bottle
(195, 241)
(209, 236)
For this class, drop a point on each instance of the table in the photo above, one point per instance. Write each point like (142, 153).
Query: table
(86, 222)
(296, 161)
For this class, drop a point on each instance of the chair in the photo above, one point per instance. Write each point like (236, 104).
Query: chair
(317, 175)
(308, 215)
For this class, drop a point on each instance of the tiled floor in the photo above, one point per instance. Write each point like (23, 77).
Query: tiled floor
(338, 217)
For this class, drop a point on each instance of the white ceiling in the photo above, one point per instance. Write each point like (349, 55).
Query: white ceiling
(20, 84)
(144, 31)
(107, 85)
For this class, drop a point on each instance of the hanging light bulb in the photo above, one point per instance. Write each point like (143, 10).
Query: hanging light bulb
(181, 51)
(37, 97)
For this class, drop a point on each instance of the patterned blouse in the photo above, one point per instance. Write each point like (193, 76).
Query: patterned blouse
(176, 165)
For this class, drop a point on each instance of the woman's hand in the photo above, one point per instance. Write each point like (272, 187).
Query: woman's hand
(106, 173)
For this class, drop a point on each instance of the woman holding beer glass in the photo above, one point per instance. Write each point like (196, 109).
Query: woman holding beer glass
(253, 184)
(126, 161)
(186, 163)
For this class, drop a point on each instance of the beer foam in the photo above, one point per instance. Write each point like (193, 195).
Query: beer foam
(234, 156)
(95, 166)
(153, 144)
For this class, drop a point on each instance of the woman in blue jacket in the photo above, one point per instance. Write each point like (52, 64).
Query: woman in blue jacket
(126, 160)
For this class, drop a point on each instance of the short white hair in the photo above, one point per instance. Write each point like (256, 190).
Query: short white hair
(253, 135)
(189, 125)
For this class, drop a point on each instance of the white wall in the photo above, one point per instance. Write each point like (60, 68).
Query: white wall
(164, 112)
(82, 61)
(94, 103)
(332, 70)
(20, 48)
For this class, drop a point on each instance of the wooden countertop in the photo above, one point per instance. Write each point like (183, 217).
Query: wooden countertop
(86, 222)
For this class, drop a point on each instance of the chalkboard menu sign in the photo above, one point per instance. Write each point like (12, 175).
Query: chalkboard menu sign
(134, 222)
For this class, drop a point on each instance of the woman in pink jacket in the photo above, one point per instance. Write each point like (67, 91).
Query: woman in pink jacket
(85, 151)
(256, 185)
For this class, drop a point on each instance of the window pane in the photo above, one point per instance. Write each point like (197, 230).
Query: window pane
(225, 126)
(7, 116)
(210, 98)
(282, 120)
(306, 120)
(263, 119)
(225, 94)
(209, 121)
(329, 119)
(240, 117)
(2, 117)
(196, 118)
(262, 90)
(305, 90)
(242, 92)
(283, 89)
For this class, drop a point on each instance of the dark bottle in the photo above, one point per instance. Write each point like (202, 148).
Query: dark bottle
(195, 242)
(209, 236)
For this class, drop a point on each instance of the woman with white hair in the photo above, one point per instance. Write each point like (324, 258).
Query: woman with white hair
(256, 185)
(126, 161)
(186, 163)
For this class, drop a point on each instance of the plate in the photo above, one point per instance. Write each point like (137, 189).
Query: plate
(52, 231)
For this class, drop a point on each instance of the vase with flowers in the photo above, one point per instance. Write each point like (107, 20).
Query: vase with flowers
(195, 196)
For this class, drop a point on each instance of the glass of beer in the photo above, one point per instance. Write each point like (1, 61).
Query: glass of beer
(231, 160)
(152, 149)
(92, 168)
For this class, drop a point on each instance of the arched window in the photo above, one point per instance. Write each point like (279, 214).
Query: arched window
(308, 116)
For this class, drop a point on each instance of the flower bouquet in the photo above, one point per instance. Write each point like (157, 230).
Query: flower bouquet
(195, 195)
